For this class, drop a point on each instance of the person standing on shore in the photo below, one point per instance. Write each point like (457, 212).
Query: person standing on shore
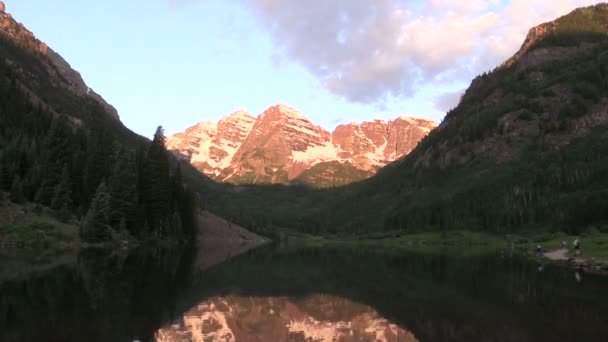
(577, 247)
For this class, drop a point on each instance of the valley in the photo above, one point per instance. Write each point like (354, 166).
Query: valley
(268, 227)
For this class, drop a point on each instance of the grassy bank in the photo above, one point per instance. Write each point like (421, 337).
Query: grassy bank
(33, 227)
(594, 244)
(32, 239)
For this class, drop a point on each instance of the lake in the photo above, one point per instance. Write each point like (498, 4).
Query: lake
(294, 294)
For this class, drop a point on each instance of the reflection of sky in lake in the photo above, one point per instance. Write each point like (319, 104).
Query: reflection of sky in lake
(318, 318)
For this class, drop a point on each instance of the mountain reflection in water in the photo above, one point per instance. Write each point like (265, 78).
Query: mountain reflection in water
(297, 294)
(319, 318)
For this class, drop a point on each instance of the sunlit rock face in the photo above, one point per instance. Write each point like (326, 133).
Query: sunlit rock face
(316, 318)
(281, 144)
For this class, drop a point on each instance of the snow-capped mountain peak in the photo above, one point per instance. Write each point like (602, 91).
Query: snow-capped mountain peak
(282, 143)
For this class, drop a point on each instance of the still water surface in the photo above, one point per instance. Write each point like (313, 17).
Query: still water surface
(304, 294)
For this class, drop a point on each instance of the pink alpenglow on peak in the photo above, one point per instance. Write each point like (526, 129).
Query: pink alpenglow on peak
(281, 145)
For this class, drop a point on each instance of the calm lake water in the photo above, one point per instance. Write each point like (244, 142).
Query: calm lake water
(300, 294)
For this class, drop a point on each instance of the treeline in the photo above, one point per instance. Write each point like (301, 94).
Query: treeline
(554, 179)
(83, 173)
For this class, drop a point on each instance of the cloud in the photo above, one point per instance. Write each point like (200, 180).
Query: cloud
(366, 51)
(447, 101)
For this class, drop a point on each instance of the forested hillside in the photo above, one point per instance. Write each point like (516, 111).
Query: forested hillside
(68, 153)
(526, 148)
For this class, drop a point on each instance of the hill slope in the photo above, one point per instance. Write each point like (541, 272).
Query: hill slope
(527, 147)
(62, 146)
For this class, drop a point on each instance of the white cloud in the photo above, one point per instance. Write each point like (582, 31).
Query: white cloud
(368, 50)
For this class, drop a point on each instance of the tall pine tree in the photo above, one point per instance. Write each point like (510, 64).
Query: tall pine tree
(157, 187)
(95, 225)
(123, 191)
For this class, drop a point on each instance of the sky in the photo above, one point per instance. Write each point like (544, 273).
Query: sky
(178, 62)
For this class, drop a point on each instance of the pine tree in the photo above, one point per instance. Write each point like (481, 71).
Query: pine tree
(57, 145)
(62, 199)
(99, 156)
(123, 190)
(95, 225)
(16, 193)
(157, 188)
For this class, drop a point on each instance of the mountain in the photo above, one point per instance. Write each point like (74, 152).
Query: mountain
(320, 318)
(281, 145)
(63, 149)
(46, 70)
(525, 149)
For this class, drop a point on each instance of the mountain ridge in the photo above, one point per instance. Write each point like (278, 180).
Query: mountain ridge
(525, 149)
(59, 71)
(281, 143)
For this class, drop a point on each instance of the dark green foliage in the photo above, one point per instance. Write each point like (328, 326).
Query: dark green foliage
(16, 193)
(59, 160)
(552, 178)
(99, 159)
(95, 226)
(157, 187)
(332, 174)
(62, 199)
(123, 191)
(104, 296)
(5, 176)
(57, 143)
(583, 24)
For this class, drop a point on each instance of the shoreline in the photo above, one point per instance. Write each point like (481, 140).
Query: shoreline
(219, 240)
(578, 263)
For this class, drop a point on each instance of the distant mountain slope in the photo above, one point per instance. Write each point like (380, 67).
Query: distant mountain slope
(63, 147)
(526, 148)
(282, 146)
(39, 67)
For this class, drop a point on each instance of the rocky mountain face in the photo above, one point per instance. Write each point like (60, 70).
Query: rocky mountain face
(526, 148)
(540, 95)
(282, 146)
(39, 67)
(210, 146)
(317, 318)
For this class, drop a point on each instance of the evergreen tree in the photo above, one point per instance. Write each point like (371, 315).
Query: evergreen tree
(123, 190)
(177, 189)
(95, 225)
(157, 188)
(99, 158)
(57, 156)
(62, 199)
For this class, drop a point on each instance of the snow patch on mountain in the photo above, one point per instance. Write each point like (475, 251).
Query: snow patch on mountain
(281, 143)
(316, 154)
